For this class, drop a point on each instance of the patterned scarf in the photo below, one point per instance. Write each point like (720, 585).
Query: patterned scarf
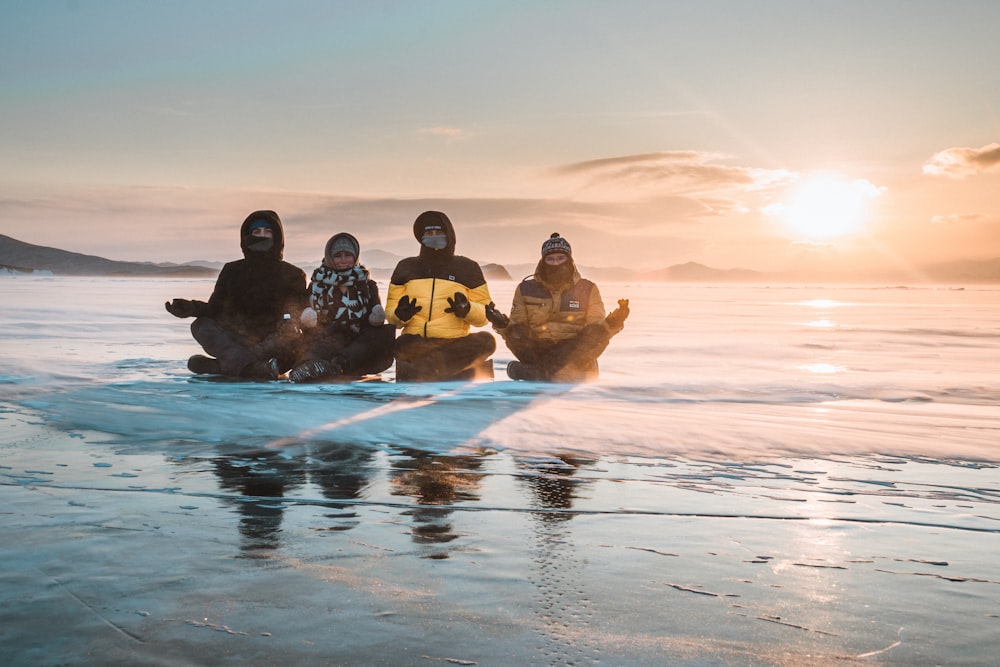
(335, 306)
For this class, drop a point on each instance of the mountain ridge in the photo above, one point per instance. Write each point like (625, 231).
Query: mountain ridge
(21, 257)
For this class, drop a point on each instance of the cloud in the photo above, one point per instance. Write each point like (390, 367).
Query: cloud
(183, 224)
(958, 218)
(449, 134)
(677, 172)
(814, 247)
(961, 162)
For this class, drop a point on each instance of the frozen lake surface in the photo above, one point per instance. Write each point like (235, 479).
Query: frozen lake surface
(762, 476)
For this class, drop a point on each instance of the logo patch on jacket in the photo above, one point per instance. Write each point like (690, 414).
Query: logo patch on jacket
(575, 305)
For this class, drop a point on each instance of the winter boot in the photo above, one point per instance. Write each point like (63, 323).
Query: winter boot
(202, 365)
(261, 370)
(314, 371)
(518, 370)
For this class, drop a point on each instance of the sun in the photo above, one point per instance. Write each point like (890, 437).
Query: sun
(826, 207)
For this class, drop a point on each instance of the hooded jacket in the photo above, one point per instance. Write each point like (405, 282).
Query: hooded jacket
(556, 312)
(252, 294)
(432, 278)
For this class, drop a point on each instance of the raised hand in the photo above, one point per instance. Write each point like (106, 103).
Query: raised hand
(181, 307)
(496, 318)
(406, 309)
(459, 305)
(616, 320)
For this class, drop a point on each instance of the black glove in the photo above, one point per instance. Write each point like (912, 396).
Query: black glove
(459, 305)
(407, 308)
(616, 320)
(496, 318)
(181, 307)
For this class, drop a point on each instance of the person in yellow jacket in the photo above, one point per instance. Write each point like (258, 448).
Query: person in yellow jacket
(557, 328)
(435, 298)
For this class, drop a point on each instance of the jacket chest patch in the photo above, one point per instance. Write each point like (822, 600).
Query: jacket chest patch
(573, 304)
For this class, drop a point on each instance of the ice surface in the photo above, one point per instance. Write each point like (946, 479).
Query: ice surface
(762, 475)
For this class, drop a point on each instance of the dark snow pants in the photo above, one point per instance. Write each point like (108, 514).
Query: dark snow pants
(420, 359)
(236, 351)
(368, 352)
(566, 360)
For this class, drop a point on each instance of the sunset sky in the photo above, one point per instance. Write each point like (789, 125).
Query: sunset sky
(760, 134)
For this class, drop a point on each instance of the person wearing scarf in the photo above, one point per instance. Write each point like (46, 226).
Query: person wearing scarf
(344, 331)
(557, 328)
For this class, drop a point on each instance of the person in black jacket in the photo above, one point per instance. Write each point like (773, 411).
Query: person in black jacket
(344, 330)
(247, 325)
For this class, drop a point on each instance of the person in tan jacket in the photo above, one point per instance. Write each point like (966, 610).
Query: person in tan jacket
(557, 327)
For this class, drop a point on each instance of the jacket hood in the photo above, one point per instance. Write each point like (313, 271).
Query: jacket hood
(272, 220)
(338, 242)
(437, 218)
(426, 219)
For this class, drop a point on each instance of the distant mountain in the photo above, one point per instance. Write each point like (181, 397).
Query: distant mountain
(21, 257)
(495, 272)
(983, 271)
(379, 259)
(198, 262)
(694, 272)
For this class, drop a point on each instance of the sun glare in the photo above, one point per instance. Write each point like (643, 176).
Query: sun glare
(827, 207)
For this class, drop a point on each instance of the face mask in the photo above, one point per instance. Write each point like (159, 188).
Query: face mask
(558, 274)
(260, 244)
(435, 242)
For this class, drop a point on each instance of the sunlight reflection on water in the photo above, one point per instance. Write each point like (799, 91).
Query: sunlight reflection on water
(825, 369)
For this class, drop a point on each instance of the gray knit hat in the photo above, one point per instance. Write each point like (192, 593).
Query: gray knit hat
(339, 242)
(556, 243)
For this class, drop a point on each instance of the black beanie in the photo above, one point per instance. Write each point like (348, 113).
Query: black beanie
(556, 243)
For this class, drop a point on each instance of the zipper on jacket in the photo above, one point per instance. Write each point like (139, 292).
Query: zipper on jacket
(430, 306)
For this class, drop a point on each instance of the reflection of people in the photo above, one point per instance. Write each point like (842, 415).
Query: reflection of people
(553, 485)
(557, 571)
(436, 482)
(342, 471)
(434, 298)
(270, 477)
(344, 329)
(245, 324)
(557, 328)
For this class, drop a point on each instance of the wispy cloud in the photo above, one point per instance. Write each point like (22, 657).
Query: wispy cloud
(449, 134)
(957, 218)
(677, 172)
(814, 247)
(182, 224)
(961, 162)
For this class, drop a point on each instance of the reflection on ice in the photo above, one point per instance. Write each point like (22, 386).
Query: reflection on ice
(823, 304)
(726, 493)
(823, 368)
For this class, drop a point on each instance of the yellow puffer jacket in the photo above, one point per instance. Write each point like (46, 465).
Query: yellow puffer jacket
(432, 285)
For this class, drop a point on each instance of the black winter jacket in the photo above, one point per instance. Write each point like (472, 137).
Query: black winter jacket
(252, 294)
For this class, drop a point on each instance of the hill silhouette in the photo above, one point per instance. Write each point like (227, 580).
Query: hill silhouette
(20, 257)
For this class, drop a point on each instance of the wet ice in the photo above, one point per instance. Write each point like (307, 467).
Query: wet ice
(762, 475)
